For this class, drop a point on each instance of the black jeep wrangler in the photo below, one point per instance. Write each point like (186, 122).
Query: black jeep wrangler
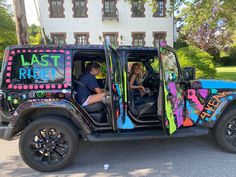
(39, 85)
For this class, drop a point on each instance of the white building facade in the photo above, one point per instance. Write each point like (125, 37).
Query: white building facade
(90, 21)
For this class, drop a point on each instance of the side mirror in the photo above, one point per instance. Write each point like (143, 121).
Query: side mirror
(189, 73)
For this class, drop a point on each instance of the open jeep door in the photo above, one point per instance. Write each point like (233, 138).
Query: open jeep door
(116, 89)
(173, 90)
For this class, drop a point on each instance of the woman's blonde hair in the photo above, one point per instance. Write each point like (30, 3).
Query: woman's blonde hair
(139, 76)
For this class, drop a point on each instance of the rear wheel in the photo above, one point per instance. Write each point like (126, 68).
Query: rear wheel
(49, 144)
(225, 131)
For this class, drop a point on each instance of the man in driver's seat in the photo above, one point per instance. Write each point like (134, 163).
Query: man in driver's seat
(89, 91)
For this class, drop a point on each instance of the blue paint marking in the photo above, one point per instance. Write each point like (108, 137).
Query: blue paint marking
(230, 97)
(200, 121)
(191, 111)
(208, 111)
(222, 99)
(214, 91)
(207, 119)
(217, 84)
(213, 118)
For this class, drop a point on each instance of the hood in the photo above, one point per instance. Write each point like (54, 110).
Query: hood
(218, 84)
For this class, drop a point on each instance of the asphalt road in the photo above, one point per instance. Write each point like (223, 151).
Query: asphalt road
(182, 157)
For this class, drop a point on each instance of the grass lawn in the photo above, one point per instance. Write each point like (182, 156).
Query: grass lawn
(226, 73)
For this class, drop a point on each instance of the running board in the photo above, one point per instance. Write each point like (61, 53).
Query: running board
(125, 136)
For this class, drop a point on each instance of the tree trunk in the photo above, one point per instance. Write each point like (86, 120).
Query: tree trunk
(21, 22)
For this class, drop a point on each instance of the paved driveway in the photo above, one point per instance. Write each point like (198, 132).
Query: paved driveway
(190, 157)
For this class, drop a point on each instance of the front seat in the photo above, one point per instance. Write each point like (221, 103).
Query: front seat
(97, 111)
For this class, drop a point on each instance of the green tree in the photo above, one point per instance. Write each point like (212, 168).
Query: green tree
(7, 29)
(35, 35)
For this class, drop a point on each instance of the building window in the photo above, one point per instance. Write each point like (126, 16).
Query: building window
(158, 36)
(138, 39)
(113, 37)
(138, 8)
(161, 8)
(56, 8)
(81, 38)
(80, 8)
(58, 38)
(109, 8)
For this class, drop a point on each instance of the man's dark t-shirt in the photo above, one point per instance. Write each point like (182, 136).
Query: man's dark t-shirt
(90, 83)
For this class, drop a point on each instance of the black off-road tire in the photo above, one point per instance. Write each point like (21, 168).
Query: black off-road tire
(66, 141)
(220, 131)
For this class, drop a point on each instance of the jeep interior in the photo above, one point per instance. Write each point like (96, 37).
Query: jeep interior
(142, 110)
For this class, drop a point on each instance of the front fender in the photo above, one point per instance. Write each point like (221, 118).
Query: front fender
(77, 115)
(215, 107)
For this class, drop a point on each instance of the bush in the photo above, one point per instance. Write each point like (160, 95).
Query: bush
(232, 53)
(230, 59)
(195, 57)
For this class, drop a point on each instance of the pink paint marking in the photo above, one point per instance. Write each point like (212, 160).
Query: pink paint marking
(41, 86)
(68, 69)
(40, 50)
(13, 52)
(9, 63)
(48, 50)
(62, 51)
(29, 50)
(23, 51)
(8, 74)
(35, 50)
(192, 96)
(59, 86)
(31, 87)
(54, 50)
(67, 73)
(25, 87)
(8, 68)
(36, 86)
(47, 86)
(10, 58)
(15, 87)
(53, 86)
(18, 51)
(19, 87)
(65, 85)
(68, 57)
(203, 92)
(10, 86)
(8, 81)
(68, 80)
(68, 63)
(67, 52)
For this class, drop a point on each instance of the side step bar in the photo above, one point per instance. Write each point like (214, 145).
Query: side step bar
(158, 134)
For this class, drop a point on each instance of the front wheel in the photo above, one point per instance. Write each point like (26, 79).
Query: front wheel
(49, 144)
(224, 131)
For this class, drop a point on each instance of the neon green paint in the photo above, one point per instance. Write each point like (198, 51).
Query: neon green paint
(23, 62)
(34, 59)
(169, 112)
(125, 86)
(55, 57)
(44, 61)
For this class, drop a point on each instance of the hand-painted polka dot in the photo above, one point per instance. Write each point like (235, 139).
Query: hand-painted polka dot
(35, 50)
(13, 52)
(23, 51)
(47, 86)
(10, 86)
(36, 86)
(53, 86)
(25, 87)
(65, 85)
(8, 81)
(9, 63)
(67, 52)
(31, 87)
(8, 68)
(18, 51)
(59, 86)
(8, 74)
(67, 73)
(48, 50)
(19, 87)
(10, 58)
(68, 57)
(68, 80)
(40, 50)
(68, 63)
(54, 50)
(15, 87)
(62, 51)
(41, 86)
(29, 51)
